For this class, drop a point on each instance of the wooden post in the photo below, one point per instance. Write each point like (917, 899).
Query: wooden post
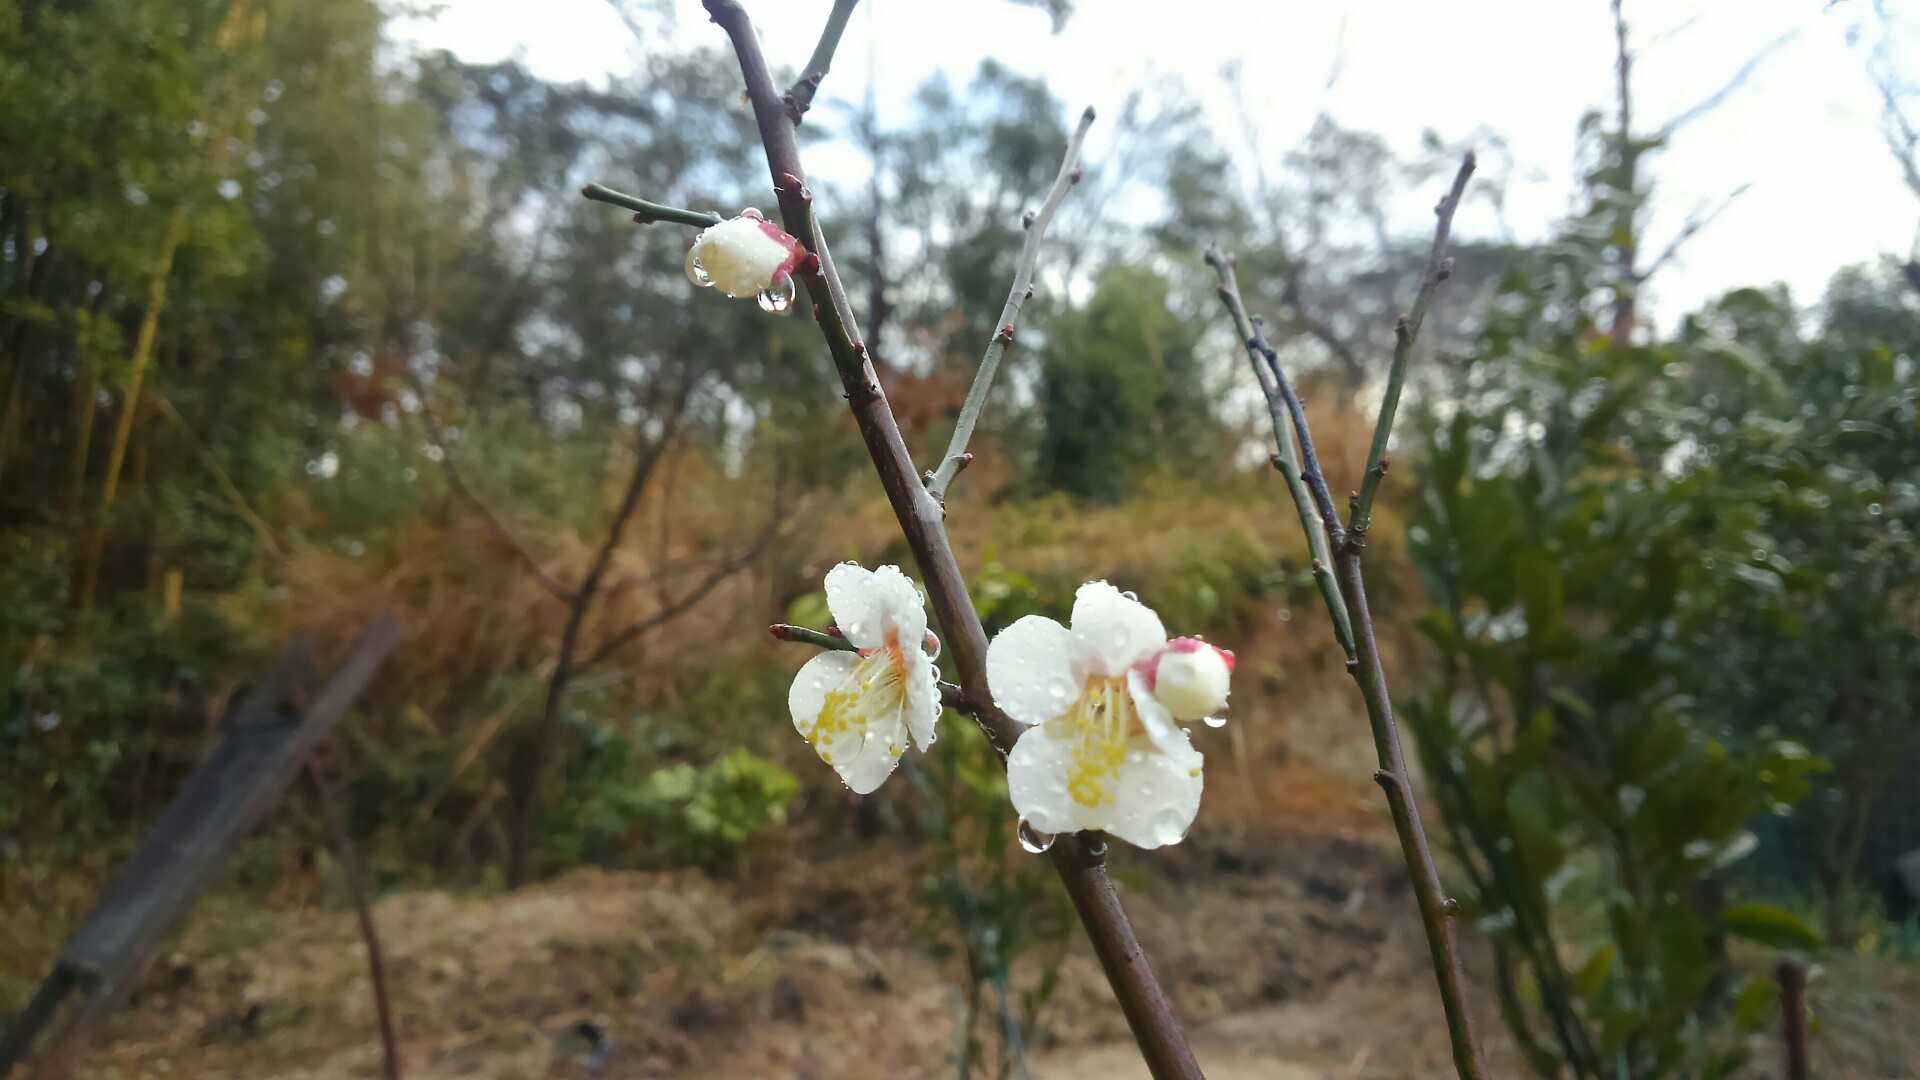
(1792, 973)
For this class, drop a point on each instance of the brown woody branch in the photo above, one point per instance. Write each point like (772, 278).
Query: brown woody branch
(1349, 543)
(1147, 1007)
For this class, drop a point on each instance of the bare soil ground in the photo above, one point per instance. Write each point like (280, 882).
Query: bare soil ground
(1290, 945)
(1282, 928)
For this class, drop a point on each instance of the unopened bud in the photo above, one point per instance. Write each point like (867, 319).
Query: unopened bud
(1191, 678)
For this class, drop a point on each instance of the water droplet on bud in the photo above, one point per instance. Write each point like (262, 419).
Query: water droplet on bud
(1032, 840)
(779, 298)
(1216, 721)
(698, 274)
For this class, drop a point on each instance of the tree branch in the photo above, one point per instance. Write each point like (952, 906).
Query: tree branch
(646, 213)
(355, 874)
(458, 485)
(1718, 97)
(1149, 1012)
(950, 695)
(1436, 911)
(799, 97)
(529, 765)
(1286, 460)
(1695, 222)
(1439, 268)
(956, 457)
(674, 608)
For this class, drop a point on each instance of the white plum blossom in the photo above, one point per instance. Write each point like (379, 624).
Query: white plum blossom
(746, 256)
(859, 709)
(1101, 750)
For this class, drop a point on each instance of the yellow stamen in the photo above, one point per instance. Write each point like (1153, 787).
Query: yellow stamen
(1104, 722)
(875, 690)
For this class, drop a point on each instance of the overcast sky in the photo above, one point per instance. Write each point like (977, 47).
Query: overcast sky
(1804, 131)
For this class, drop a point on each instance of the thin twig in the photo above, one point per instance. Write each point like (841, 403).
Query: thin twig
(1439, 268)
(950, 695)
(646, 213)
(1311, 473)
(1349, 544)
(1148, 1010)
(799, 97)
(356, 879)
(1287, 459)
(956, 457)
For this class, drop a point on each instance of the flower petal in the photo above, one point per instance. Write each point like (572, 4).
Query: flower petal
(923, 698)
(867, 603)
(871, 764)
(1157, 796)
(1161, 728)
(1114, 628)
(1030, 669)
(1037, 779)
(811, 685)
(902, 610)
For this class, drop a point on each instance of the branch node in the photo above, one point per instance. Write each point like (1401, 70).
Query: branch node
(809, 265)
(1450, 907)
(1026, 220)
(1005, 335)
(1380, 776)
(1353, 669)
(1077, 176)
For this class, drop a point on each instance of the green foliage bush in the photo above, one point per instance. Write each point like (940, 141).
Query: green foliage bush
(684, 814)
(1604, 578)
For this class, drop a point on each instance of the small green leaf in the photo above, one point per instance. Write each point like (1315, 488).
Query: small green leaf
(1769, 925)
(1753, 1009)
(1592, 977)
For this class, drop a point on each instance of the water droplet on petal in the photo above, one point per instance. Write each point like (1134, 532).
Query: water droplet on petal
(753, 213)
(1131, 595)
(1169, 827)
(1032, 840)
(1097, 848)
(1216, 721)
(1059, 692)
(778, 298)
